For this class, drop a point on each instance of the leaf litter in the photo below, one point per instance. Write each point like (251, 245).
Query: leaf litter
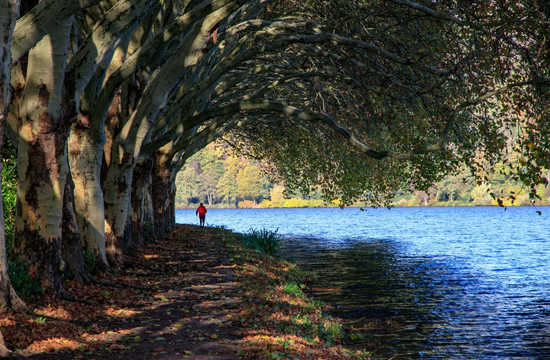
(197, 294)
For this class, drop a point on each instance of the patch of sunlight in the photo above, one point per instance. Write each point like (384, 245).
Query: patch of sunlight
(279, 316)
(151, 256)
(108, 336)
(289, 342)
(54, 344)
(55, 312)
(7, 322)
(121, 313)
(293, 300)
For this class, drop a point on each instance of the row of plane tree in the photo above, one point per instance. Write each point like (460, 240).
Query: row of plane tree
(106, 100)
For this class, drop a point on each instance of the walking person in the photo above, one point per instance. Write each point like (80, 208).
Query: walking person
(201, 211)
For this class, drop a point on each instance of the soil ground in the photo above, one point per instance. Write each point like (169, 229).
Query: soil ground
(197, 294)
(175, 300)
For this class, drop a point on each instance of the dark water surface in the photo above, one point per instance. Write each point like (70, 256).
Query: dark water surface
(423, 283)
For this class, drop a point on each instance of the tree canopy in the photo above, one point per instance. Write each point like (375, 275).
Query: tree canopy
(106, 100)
(458, 189)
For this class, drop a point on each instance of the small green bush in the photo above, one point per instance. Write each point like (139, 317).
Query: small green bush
(294, 289)
(265, 241)
(90, 260)
(148, 230)
(9, 192)
(331, 332)
(18, 268)
(23, 283)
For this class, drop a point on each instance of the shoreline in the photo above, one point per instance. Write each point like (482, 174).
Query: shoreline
(214, 207)
(197, 294)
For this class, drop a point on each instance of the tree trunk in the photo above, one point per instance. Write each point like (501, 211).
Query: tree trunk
(127, 145)
(4, 351)
(72, 238)
(41, 168)
(172, 200)
(118, 23)
(142, 217)
(39, 208)
(87, 145)
(85, 156)
(163, 195)
(117, 200)
(115, 207)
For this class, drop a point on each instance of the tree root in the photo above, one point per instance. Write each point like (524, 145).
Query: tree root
(4, 351)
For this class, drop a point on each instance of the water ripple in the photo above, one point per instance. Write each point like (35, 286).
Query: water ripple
(425, 283)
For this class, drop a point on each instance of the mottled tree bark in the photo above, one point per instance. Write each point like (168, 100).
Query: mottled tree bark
(71, 249)
(126, 147)
(85, 156)
(163, 194)
(41, 20)
(113, 125)
(42, 167)
(141, 214)
(4, 351)
(117, 201)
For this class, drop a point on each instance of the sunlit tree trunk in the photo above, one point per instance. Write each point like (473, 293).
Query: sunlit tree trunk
(117, 200)
(42, 169)
(117, 189)
(131, 18)
(86, 142)
(85, 156)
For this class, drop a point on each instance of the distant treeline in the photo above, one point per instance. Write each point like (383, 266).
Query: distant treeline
(220, 179)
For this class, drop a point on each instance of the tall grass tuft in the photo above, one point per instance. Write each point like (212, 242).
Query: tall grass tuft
(263, 240)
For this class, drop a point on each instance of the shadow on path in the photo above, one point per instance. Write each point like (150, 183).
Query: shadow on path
(176, 300)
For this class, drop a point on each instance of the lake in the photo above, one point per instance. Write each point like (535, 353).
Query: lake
(423, 283)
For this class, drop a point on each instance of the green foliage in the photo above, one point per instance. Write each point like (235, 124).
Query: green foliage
(22, 281)
(458, 188)
(9, 191)
(90, 260)
(294, 289)
(462, 189)
(263, 240)
(42, 320)
(149, 230)
(214, 176)
(330, 331)
(18, 268)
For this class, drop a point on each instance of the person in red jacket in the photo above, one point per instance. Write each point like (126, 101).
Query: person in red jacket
(201, 210)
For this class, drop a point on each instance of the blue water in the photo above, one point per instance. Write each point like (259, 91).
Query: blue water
(423, 283)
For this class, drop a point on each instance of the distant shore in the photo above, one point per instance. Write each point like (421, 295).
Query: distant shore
(435, 205)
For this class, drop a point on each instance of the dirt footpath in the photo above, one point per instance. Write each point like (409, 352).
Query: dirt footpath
(176, 300)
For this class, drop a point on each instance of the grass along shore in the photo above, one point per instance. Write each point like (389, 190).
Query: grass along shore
(201, 293)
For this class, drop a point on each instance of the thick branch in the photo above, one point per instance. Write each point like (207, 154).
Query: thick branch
(458, 21)
(156, 51)
(117, 24)
(41, 20)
